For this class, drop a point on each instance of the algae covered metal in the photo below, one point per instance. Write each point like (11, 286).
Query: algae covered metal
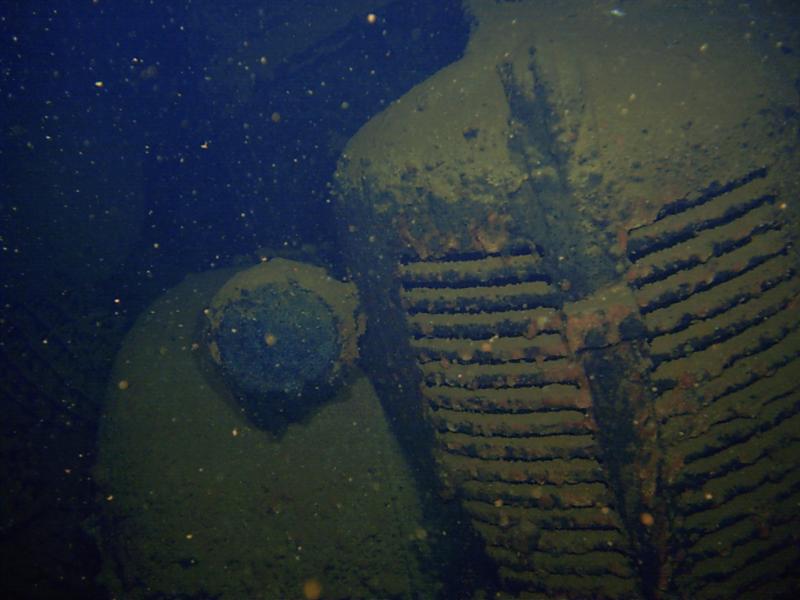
(578, 241)
(286, 331)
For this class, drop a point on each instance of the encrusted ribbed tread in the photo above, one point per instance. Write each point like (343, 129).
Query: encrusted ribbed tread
(518, 425)
(710, 208)
(737, 442)
(683, 284)
(701, 248)
(618, 581)
(776, 577)
(501, 349)
(740, 558)
(533, 448)
(716, 282)
(772, 574)
(772, 463)
(479, 299)
(744, 403)
(487, 269)
(553, 542)
(742, 545)
(526, 322)
(511, 374)
(511, 414)
(722, 296)
(596, 562)
(689, 396)
(509, 400)
(553, 471)
(552, 503)
(715, 360)
(738, 313)
(507, 523)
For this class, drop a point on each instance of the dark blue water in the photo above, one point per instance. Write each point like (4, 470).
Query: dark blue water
(143, 141)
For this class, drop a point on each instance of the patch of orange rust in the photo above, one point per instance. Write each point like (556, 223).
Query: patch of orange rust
(622, 239)
(519, 476)
(421, 244)
(587, 423)
(794, 303)
(584, 399)
(675, 402)
(619, 312)
(580, 325)
(405, 234)
(426, 328)
(638, 272)
(492, 236)
(361, 323)
(674, 464)
(561, 372)
(451, 243)
(466, 354)
(687, 380)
